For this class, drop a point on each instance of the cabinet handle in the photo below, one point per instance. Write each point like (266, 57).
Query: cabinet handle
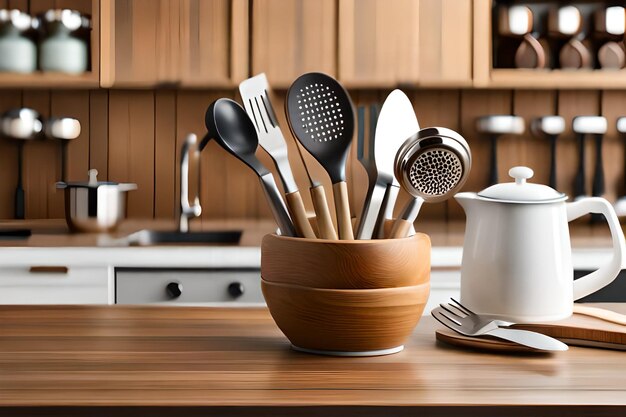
(48, 269)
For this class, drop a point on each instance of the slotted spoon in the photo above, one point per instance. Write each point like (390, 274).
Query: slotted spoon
(321, 117)
(431, 166)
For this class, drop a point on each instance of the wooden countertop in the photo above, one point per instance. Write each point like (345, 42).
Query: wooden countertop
(198, 361)
(54, 232)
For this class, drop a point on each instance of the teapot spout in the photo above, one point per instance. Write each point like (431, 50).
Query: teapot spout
(467, 201)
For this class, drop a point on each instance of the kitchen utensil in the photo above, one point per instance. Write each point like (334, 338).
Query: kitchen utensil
(63, 49)
(577, 330)
(396, 123)
(484, 343)
(462, 320)
(549, 127)
(589, 125)
(321, 117)
(431, 165)
(494, 126)
(228, 123)
(620, 205)
(600, 313)
(64, 129)
(94, 206)
(18, 52)
(22, 125)
(362, 322)
(365, 154)
(378, 263)
(517, 256)
(255, 94)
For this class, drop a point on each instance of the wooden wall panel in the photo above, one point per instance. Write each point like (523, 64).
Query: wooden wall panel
(614, 153)
(8, 158)
(527, 149)
(570, 105)
(131, 147)
(41, 169)
(99, 133)
(165, 205)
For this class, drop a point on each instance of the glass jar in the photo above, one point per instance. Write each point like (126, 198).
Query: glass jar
(62, 48)
(18, 52)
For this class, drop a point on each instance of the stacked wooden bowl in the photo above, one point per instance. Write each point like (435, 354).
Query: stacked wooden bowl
(350, 298)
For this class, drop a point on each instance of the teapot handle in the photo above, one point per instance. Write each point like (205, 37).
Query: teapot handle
(593, 281)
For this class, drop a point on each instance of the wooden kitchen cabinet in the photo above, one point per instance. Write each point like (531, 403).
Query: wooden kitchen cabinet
(378, 42)
(191, 43)
(445, 43)
(293, 37)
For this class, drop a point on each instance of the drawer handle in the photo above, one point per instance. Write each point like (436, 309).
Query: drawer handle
(48, 269)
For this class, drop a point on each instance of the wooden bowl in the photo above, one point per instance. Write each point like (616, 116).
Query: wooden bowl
(346, 264)
(346, 322)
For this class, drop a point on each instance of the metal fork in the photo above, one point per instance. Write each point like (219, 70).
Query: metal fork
(464, 321)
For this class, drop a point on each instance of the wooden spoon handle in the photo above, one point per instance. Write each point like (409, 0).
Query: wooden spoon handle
(601, 314)
(342, 210)
(322, 213)
(298, 215)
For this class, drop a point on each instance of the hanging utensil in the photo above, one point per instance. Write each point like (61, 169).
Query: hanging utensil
(230, 126)
(495, 126)
(582, 126)
(255, 94)
(321, 117)
(64, 129)
(431, 166)
(21, 125)
(549, 127)
(620, 205)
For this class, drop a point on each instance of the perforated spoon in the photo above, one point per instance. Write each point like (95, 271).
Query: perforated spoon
(230, 126)
(321, 117)
(431, 166)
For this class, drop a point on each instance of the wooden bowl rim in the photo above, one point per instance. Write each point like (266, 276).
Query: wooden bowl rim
(348, 291)
(346, 242)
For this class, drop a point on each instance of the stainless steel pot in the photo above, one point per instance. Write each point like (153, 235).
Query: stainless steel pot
(95, 206)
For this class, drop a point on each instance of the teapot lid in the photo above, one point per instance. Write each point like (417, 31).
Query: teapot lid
(521, 191)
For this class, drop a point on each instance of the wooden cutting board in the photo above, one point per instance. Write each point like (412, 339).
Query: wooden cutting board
(578, 330)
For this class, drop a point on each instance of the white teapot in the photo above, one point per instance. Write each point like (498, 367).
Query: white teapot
(517, 254)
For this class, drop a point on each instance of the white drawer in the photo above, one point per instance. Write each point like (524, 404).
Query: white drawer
(220, 287)
(54, 285)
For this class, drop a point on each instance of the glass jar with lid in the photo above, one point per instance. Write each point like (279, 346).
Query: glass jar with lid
(18, 52)
(64, 46)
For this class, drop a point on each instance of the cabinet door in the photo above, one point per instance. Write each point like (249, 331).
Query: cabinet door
(445, 33)
(213, 42)
(293, 37)
(378, 42)
(139, 42)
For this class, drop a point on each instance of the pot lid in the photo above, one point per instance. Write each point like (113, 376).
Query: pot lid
(522, 191)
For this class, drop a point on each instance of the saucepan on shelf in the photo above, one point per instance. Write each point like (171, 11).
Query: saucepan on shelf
(95, 206)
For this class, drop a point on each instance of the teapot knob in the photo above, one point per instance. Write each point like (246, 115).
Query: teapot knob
(521, 174)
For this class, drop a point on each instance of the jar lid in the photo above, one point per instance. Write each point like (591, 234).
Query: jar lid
(71, 19)
(22, 21)
(522, 191)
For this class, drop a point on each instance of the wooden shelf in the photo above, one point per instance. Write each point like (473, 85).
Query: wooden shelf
(552, 79)
(49, 80)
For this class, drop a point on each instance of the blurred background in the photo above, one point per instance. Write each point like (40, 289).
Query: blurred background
(139, 75)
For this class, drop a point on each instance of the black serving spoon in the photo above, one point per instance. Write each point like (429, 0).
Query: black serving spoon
(320, 115)
(228, 123)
